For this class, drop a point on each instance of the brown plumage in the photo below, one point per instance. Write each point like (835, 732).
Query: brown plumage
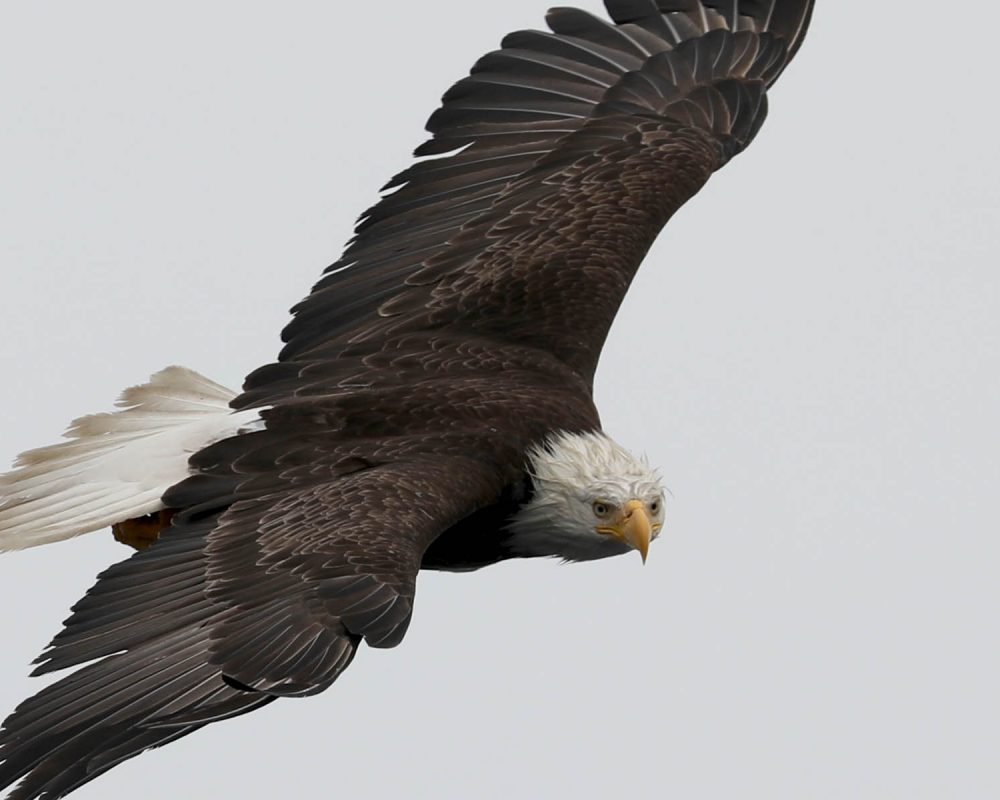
(462, 325)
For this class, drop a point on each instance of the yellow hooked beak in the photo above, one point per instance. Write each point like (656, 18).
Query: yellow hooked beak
(634, 527)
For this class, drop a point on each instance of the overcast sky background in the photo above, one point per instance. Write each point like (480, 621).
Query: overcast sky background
(809, 352)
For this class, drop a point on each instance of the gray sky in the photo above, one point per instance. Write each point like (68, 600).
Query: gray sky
(809, 352)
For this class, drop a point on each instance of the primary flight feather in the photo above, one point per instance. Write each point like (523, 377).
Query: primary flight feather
(431, 408)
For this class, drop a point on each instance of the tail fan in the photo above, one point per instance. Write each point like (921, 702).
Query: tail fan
(115, 466)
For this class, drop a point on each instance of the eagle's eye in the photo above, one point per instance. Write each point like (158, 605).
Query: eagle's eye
(601, 509)
(654, 506)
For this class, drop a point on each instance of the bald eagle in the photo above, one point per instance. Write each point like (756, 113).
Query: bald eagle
(431, 407)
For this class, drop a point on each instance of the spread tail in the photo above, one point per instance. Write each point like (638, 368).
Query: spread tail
(115, 466)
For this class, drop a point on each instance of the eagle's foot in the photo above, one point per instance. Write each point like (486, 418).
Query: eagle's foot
(141, 532)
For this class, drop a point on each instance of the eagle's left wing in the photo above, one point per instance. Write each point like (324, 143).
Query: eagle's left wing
(552, 168)
(233, 608)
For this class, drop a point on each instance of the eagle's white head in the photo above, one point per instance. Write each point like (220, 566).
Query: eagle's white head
(592, 499)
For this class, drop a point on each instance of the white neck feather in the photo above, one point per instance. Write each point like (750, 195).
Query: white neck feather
(571, 471)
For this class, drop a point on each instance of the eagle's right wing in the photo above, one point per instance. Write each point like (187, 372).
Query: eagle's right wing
(233, 608)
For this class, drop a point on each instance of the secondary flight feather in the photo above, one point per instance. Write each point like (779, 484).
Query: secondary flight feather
(431, 407)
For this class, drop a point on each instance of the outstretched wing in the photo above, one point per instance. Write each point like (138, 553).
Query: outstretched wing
(210, 623)
(555, 164)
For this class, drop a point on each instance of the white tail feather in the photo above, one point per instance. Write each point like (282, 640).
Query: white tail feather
(115, 466)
